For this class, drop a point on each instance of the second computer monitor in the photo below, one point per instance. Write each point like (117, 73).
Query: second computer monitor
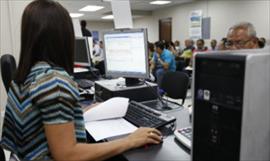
(82, 52)
(126, 53)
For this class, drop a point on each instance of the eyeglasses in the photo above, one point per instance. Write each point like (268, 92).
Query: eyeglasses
(239, 43)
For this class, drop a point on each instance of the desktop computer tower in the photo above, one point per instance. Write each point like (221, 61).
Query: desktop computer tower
(231, 106)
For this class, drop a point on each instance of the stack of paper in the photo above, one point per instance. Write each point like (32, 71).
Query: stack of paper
(106, 119)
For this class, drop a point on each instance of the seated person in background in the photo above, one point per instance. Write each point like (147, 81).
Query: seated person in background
(151, 50)
(187, 53)
(200, 46)
(242, 36)
(189, 43)
(261, 42)
(99, 58)
(222, 44)
(163, 60)
(178, 47)
(213, 44)
(172, 49)
(43, 118)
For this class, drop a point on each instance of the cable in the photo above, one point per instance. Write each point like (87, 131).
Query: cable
(93, 73)
(165, 106)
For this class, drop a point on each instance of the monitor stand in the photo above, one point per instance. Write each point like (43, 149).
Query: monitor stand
(133, 82)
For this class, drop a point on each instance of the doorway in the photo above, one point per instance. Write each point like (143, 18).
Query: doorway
(165, 29)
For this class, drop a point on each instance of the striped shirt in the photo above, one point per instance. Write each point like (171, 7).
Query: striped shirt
(48, 96)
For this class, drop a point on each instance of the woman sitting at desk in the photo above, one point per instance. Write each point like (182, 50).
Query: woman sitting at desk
(43, 120)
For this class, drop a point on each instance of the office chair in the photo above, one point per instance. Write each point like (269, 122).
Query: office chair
(2, 154)
(175, 85)
(8, 69)
(180, 65)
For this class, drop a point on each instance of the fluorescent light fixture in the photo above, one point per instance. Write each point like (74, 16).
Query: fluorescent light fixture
(108, 17)
(160, 2)
(76, 15)
(91, 8)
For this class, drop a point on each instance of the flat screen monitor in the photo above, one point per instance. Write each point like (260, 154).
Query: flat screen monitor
(82, 53)
(126, 53)
(90, 45)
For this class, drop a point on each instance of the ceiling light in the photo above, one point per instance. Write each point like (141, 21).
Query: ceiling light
(160, 2)
(91, 8)
(108, 17)
(76, 15)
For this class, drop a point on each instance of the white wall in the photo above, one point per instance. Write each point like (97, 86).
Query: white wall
(100, 26)
(10, 22)
(223, 13)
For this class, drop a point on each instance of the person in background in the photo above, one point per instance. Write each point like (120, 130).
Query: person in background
(242, 36)
(261, 42)
(172, 48)
(99, 58)
(187, 53)
(213, 44)
(43, 118)
(85, 31)
(222, 44)
(163, 61)
(189, 43)
(151, 50)
(96, 47)
(178, 47)
(200, 46)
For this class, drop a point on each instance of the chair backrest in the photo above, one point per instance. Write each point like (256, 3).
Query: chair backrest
(180, 65)
(8, 69)
(175, 85)
(2, 154)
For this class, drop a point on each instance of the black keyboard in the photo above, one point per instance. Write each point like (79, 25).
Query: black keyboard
(143, 116)
(85, 83)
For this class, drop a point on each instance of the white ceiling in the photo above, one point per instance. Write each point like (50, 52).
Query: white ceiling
(136, 5)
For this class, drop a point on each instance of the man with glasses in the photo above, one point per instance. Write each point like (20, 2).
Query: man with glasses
(242, 36)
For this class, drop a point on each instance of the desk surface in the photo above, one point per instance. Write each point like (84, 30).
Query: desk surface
(169, 150)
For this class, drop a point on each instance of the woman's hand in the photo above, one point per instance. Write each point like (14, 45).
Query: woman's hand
(143, 136)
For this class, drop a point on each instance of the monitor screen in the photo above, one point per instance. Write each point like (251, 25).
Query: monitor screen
(81, 56)
(90, 45)
(126, 53)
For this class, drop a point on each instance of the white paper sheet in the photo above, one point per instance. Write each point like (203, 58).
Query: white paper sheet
(113, 108)
(100, 130)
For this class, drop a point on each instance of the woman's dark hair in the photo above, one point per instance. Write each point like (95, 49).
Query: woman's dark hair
(46, 35)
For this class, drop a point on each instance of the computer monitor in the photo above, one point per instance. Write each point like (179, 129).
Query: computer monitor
(126, 54)
(90, 45)
(82, 52)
